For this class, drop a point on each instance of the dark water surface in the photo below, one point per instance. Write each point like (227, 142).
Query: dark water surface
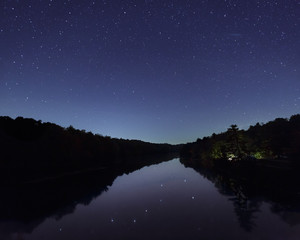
(163, 201)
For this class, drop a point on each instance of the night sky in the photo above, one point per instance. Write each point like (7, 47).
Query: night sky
(159, 71)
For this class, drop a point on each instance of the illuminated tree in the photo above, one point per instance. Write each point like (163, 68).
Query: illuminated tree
(234, 141)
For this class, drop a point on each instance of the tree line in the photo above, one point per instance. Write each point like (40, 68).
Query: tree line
(277, 139)
(28, 145)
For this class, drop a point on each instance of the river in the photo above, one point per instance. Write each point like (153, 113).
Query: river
(165, 201)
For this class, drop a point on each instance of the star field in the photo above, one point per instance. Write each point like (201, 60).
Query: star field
(159, 71)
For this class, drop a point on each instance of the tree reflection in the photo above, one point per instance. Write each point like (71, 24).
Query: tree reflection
(24, 207)
(248, 189)
(245, 210)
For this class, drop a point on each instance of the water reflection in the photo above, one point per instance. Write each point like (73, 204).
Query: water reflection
(161, 201)
(24, 207)
(249, 189)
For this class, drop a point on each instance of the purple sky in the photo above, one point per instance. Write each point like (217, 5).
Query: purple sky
(159, 71)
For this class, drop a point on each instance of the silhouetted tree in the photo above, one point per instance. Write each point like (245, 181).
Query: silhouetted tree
(276, 139)
(234, 141)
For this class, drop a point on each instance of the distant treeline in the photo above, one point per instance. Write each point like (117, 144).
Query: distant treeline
(278, 139)
(37, 147)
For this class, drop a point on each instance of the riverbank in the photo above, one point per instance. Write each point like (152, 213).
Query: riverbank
(35, 151)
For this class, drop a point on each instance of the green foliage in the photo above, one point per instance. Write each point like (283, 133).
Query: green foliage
(276, 139)
(259, 155)
(218, 150)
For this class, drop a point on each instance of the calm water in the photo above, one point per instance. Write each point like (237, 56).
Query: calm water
(165, 201)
